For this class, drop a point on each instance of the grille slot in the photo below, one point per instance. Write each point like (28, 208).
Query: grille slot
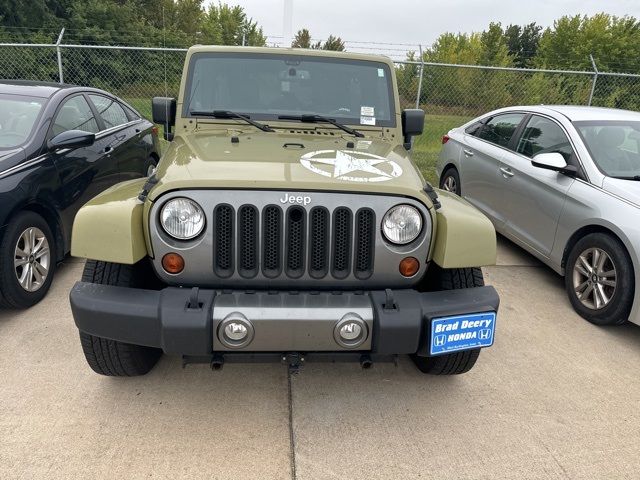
(318, 242)
(342, 233)
(295, 246)
(365, 243)
(272, 241)
(248, 241)
(223, 241)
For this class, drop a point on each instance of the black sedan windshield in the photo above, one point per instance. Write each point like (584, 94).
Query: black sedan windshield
(17, 119)
(264, 87)
(614, 146)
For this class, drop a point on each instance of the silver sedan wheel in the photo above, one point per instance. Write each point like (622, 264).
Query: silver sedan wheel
(594, 278)
(32, 259)
(450, 184)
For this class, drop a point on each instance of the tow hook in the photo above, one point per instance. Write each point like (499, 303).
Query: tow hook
(294, 361)
(217, 362)
(366, 362)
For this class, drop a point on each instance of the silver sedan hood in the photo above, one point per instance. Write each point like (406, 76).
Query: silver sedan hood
(627, 189)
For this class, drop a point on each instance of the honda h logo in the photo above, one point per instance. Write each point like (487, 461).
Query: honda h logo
(484, 334)
(438, 341)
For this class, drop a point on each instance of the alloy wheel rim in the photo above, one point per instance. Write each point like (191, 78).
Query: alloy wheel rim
(450, 184)
(32, 259)
(594, 278)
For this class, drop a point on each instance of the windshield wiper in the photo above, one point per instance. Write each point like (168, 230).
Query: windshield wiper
(230, 114)
(634, 177)
(320, 119)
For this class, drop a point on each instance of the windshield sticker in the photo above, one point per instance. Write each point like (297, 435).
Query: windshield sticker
(381, 72)
(351, 166)
(367, 120)
(367, 111)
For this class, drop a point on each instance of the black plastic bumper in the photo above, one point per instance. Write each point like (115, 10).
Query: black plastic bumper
(170, 319)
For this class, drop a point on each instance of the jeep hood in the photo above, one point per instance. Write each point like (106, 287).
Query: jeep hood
(314, 161)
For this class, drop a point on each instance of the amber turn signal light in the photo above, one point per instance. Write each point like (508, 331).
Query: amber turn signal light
(173, 263)
(409, 266)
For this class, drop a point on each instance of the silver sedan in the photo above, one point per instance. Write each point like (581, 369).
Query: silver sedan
(563, 182)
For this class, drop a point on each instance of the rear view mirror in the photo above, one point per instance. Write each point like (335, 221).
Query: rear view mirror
(71, 139)
(412, 124)
(163, 111)
(553, 161)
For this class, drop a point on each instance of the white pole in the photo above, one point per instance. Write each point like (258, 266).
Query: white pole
(287, 22)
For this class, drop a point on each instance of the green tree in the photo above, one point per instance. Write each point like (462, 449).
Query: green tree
(302, 39)
(333, 43)
(227, 25)
(522, 42)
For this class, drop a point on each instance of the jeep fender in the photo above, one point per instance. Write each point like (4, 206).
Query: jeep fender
(464, 236)
(110, 226)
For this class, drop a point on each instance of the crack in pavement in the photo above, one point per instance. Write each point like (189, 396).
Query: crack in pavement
(292, 437)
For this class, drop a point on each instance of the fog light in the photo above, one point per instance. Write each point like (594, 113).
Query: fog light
(235, 331)
(350, 331)
(173, 263)
(409, 266)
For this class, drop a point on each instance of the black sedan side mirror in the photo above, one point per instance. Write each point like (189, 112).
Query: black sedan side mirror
(163, 111)
(71, 139)
(412, 124)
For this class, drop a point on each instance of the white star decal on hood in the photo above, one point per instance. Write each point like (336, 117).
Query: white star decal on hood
(373, 167)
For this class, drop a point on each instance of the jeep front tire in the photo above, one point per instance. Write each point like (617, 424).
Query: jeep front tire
(458, 362)
(110, 357)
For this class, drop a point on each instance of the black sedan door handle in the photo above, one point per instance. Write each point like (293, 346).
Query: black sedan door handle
(107, 149)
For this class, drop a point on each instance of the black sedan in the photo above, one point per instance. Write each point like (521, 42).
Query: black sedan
(60, 145)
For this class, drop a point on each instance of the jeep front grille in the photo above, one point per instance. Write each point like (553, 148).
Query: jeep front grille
(272, 240)
(303, 246)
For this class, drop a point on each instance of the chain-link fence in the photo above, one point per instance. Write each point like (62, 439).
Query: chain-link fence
(450, 94)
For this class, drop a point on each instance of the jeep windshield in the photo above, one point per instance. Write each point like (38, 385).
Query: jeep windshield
(268, 86)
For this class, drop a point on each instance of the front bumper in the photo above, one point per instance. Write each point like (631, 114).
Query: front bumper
(187, 322)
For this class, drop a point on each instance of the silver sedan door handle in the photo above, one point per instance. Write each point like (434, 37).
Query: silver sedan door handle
(468, 153)
(506, 172)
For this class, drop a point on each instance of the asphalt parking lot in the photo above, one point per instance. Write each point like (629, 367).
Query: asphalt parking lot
(555, 397)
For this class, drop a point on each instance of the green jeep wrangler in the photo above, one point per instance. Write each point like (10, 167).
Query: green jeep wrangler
(286, 221)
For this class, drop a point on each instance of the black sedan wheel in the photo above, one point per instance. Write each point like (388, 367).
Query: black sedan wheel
(450, 181)
(27, 261)
(599, 279)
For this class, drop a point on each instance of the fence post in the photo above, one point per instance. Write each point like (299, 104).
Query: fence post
(420, 80)
(58, 51)
(595, 78)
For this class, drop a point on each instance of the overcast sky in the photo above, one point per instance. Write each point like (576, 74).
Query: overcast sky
(418, 21)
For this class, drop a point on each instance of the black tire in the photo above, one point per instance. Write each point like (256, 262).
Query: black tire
(458, 362)
(451, 175)
(617, 310)
(12, 294)
(110, 357)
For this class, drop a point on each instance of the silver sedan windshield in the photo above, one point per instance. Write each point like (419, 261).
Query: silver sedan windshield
(614, 146)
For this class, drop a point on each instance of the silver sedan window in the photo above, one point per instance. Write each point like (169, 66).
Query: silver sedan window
(614, 146)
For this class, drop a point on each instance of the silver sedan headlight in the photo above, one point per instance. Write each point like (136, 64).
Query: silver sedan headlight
(402, 224)
(182, 218)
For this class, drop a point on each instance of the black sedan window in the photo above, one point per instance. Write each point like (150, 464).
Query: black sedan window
(109, 110)
(75, 114)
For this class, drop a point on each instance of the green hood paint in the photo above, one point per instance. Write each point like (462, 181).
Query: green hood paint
(208, 159)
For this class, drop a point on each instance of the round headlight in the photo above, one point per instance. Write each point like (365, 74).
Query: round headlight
(402, 224)
(182, 218)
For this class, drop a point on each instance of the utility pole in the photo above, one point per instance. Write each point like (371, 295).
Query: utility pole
(287, 22)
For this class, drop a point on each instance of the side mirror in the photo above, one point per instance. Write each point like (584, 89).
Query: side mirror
(163, 111)
(71, 139)
(412, 124)
(554, 161)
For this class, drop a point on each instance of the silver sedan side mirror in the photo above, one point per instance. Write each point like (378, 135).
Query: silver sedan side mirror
(554, 161)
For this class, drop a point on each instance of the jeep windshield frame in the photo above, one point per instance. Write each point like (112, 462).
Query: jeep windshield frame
(266, 86)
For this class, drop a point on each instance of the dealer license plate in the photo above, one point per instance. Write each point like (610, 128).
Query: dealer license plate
(462, 332)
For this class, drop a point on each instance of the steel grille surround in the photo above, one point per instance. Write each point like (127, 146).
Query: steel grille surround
(262, 240)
